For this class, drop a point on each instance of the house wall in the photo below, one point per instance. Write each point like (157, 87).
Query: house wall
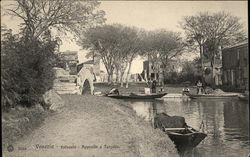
(235, 66)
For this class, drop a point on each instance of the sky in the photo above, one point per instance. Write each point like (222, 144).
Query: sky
(151, 15)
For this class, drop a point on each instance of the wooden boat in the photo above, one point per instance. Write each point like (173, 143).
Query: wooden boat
(137, 96)
(243, 97)
(212, 96)
(175, 95)
(187, 137)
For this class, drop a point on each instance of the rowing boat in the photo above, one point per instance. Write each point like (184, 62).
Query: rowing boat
(212, 96)
(137, 96)
(185, 136)
(243, 97)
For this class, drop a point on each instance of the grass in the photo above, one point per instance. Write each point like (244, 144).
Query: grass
(119, 121)
(19, 121)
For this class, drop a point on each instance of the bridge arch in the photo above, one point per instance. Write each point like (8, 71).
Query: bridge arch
(85, 76)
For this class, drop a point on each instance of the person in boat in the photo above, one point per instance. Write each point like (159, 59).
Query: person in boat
(161, 89)
(199, 87)
(185, 91)
(114, 91)
(153, 86)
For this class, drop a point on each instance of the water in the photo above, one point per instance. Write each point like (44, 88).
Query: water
(226, 122)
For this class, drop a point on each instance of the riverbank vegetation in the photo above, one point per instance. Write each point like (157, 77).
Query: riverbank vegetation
(28, 56)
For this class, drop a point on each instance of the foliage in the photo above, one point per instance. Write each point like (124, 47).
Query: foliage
(117, 45)
(161, 46)
(26, 67)
(189, 72)
(207, 71)
(64, 15)
(211, 30)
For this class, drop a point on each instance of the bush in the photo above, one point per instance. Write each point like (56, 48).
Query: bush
(26, 66)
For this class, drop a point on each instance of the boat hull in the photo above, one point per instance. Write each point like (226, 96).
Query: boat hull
(191, 139)
(243, 98)
(138, 96)
(207, 96)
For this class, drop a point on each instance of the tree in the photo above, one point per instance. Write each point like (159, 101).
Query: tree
(212, 30)
(132, 47)
(40, 15)
(161, 46)
(117, 46)
(26, 67)
(102, 40)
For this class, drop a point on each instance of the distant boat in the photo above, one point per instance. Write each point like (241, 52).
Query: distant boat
(212, 96)
(243, 97)
(137, 96)
(185, 136)
(175, 95)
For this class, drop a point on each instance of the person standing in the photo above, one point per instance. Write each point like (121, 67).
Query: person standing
(199, 87)
(153, 86)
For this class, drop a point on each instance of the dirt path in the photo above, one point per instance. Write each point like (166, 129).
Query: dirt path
(89, 126)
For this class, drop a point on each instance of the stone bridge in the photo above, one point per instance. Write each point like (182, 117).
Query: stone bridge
(85, 79)
(74, 84)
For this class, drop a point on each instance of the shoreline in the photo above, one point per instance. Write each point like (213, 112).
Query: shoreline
(107, 118)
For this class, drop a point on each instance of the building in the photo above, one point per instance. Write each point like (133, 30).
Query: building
(235, 66)
(70, 60)
(213, 75)
(93, 64)
(149, 74)
(148, 71)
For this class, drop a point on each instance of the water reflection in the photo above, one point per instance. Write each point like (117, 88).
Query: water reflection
(226, 123)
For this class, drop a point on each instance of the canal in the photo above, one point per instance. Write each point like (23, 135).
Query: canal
(226, 122)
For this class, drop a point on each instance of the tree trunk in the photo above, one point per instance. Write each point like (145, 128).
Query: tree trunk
(121, 78)
(129, 68)
(213, 71)
(202, 65)
(117, 76)
(109, 78)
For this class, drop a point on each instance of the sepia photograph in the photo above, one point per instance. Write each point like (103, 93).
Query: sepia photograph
(89, 78)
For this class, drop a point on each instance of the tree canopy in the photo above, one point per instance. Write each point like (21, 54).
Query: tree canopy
(117, 45)
(212, 30)
(64, 15)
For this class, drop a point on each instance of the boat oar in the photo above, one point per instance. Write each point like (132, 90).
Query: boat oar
(202, 126)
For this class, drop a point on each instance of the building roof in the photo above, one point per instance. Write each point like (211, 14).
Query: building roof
(88, 62)
(245, 42)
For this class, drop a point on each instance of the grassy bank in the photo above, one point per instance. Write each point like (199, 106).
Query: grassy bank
(20, 121)
(119, 122)
(91, 120)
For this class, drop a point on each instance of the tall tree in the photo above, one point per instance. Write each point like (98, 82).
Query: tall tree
(212, 30)
(162, 46)
(103, 41)
(117, 45)
(40, 15)
(132, 47)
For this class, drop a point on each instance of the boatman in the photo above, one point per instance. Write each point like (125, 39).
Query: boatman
(153, 86)
(199, 87)
(185, 91)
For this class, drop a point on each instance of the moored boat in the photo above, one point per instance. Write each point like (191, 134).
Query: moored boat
(178, 131)
(212, 96)
(137, 96)
(185, 136)
(243, 97)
